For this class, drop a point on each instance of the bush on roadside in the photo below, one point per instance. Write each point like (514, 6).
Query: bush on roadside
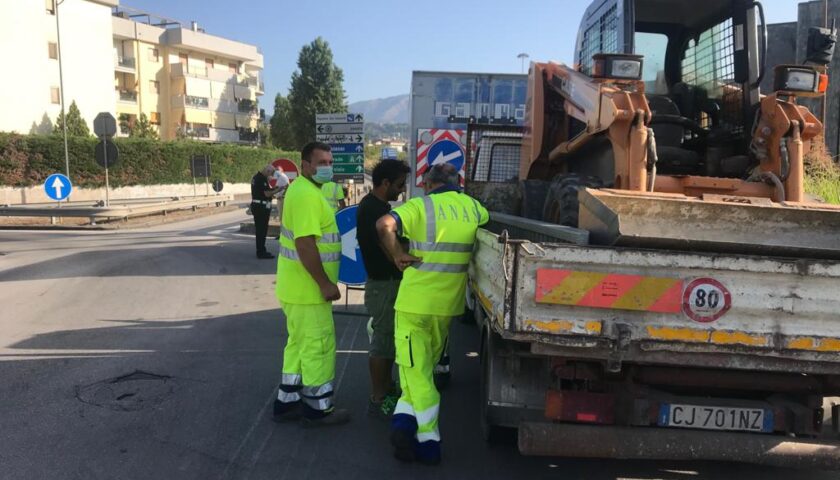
(27, 160)
(822, 174)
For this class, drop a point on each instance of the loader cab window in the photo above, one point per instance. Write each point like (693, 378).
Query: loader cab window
(708, 69)
(652, 46)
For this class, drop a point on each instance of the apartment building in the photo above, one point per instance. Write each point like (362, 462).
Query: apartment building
(115, 59)
(187, 82)
(30, 96)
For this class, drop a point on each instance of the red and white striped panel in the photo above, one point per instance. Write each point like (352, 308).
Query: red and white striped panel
(423, 149)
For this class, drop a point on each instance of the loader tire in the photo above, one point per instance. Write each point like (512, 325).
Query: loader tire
(561, 203)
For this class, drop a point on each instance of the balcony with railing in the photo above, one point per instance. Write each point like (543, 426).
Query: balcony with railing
(199, 71)
(125, 64)
(220, 135)
(127, 96)
(249, 107)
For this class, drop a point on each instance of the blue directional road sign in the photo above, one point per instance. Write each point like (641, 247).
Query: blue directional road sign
(58, 187)
(351, 270)
(347, 148)
(446, 151)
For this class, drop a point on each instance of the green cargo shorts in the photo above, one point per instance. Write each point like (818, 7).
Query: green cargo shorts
(380, 296)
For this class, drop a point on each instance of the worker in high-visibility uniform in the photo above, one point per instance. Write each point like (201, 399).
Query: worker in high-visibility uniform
(441, 229)
(334, 193)
(307, 271)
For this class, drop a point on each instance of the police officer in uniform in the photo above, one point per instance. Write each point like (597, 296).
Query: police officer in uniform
(261, 195)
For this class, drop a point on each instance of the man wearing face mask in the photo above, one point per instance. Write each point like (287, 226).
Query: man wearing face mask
(382, 284)
(307, 272)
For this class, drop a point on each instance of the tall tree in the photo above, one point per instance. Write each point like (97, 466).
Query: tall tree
(76, 125)
(282, 135)
(317, 87)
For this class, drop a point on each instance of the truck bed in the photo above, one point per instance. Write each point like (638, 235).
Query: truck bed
(658, 307)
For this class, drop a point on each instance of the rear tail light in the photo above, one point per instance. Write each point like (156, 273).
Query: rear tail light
(580, 407)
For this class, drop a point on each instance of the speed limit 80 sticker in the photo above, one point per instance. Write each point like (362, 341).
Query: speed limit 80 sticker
(706, 300)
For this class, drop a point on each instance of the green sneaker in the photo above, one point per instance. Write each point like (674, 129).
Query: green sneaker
(389, 403)
(384, 408)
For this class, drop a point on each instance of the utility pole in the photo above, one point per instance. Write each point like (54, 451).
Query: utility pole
(824, 100)
(522, 57)
(61, 88)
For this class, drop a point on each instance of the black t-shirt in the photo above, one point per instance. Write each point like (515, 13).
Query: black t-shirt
(259, 185)
(377, 264)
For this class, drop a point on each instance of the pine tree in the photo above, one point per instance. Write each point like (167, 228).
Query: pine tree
(76, 125)
(143, 128)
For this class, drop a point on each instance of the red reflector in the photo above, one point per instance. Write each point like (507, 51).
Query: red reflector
(574, 406)
(823, 87)
(587, 417)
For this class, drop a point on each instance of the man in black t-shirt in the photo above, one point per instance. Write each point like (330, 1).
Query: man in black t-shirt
(261, 195)
(383, 282)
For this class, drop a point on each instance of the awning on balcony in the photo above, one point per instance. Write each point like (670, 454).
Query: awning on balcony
(198, 87)
(222, 91)
(199, 116)
(224, 120)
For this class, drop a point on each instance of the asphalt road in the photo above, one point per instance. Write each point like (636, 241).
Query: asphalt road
(156, 353)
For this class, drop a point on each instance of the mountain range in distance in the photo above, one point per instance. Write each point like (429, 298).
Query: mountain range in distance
(383, 110)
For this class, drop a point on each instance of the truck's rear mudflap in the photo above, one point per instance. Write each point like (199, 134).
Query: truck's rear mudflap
(587, 441)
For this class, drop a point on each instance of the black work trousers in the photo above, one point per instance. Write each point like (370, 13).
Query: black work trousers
(261, 214)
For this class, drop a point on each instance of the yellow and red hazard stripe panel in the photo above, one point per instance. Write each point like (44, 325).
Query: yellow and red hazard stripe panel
(609, 290)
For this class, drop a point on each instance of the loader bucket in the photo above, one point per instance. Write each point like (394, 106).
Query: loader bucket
(715, 223)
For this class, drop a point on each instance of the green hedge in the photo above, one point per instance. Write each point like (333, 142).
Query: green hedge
(27, 160)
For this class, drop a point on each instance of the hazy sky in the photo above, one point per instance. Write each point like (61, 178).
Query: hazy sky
(378, 43)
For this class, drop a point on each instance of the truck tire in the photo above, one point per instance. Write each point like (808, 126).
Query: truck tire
(491, 433)
(533, 198)
(561, 202)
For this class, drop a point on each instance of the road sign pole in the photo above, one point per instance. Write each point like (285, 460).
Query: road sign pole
(107, 183)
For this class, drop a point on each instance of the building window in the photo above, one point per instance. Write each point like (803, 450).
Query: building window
(209, 63)
(154, 86)
(52, 48)
(232, 67)
(155, 118)
(154, 55)
(55, 95)
(51, 7)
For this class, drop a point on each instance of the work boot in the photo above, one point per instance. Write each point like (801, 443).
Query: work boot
(265, 255)
(285, 413)
(403, 443)
(336, 417)
(427, 453)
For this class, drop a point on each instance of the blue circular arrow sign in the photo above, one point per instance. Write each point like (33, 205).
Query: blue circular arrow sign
(446, 151)
(351, 269)
(58, 187)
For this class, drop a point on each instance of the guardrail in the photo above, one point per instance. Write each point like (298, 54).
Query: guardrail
(123, 208)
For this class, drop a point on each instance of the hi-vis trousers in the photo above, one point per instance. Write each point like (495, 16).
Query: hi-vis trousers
(419, 341)
(308, 359)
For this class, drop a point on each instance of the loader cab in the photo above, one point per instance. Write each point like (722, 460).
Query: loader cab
(702, 66)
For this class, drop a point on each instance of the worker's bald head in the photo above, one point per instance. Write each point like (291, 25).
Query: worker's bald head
(268, 170)
(442, 174)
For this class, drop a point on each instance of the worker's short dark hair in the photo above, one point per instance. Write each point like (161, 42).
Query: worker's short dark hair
(389, 170)
(443, 173)
(306, 153)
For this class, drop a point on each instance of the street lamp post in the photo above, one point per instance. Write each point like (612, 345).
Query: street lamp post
(61, 89)
(523, 57)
